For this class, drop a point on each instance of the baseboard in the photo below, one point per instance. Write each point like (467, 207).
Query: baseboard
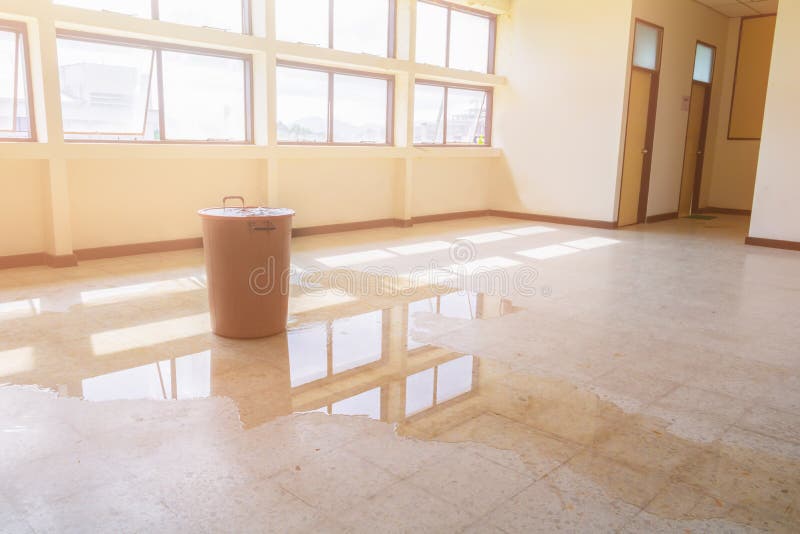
(59, 262)
(723, 211)
(22, 260)
(138, 248)
(349, 227)
(449, 216)
(662, 217)
(609, 225)
(773, 243)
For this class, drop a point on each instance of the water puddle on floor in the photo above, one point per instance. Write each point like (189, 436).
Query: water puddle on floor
(367, 362)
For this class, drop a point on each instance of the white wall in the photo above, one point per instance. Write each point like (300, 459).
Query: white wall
(22, 200)
(684, 22)
(777, 193)
(559, 119)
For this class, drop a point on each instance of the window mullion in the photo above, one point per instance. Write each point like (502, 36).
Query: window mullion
(447, 46)
(15, 97)
(330, 23)
(161, 112)
(444, 117)
(154, 11)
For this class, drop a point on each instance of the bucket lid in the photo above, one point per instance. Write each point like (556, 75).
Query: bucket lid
(245, 213)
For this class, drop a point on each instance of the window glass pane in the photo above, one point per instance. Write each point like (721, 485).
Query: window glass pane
(466, 116)
(357, 341)
(14, 117)
(302, 21)
(221, 14)
(302, 105)
(645, 46)
(454, 378)
(704, 63)
(431, 34)
(469, 42)
(420, 306)
(204, 97)
(104, 90)
(137, 8)
(359, 109)
(361, 26)
(428, 114)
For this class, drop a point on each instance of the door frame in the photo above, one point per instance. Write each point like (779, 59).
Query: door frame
(700, 164)
(647, 164)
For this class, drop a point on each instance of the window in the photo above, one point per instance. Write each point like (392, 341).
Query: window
(332, 106)
(16, 114)
(360, 26)
(139, 91)
(455, 37)
(228, 15)
(451, 115)
(704, 63)
(646, 46)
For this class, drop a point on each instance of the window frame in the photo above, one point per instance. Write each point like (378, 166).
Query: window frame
(489, 112)
(21, 29)
(247, 17)
(158, 48)
(492, 44)
(391, 41)
(331, 71)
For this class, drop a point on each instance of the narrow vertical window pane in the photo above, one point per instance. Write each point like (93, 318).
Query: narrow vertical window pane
(105, 90)
(302, 21)
(645, 46)
(220, 14)
(466, 116)
(204, 97)
(469, 42)
(431, 34)
(302, 105)
(359, 109)
(361, 26)
(8, 74)
(23, 128)
(137, 8)
(704, 63)
(428, 114)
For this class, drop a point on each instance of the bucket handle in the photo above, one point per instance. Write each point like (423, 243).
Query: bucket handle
(226, 199)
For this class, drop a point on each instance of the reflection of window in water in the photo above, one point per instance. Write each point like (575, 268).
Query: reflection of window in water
(192, 380)
(357, 341)
(367, 403)
(308, 354)
(439, 384)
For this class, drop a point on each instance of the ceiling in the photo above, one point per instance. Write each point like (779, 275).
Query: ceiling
(743, 8)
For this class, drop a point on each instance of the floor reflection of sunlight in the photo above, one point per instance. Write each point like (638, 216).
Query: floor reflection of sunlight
(20, 309)
(454, 378)
(419, 391)
(487, 237)
(357, 341)
(355, 258)
(486, 264)
(592, 242)
(314, 300)
(16, 361)
(531, 230)
(122, 293)
(421, 248)
(135, 337)
(551, 251)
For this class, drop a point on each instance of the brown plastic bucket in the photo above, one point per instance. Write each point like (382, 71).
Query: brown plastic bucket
(247, 255)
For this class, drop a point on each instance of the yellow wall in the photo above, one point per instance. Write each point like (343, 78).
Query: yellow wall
(684, 22)
(733, 171)
(777, 195)
(22, 206)
(451, 185)
(116, 202)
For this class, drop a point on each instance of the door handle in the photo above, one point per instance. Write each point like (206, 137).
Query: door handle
(699, 152)
(645, 151)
